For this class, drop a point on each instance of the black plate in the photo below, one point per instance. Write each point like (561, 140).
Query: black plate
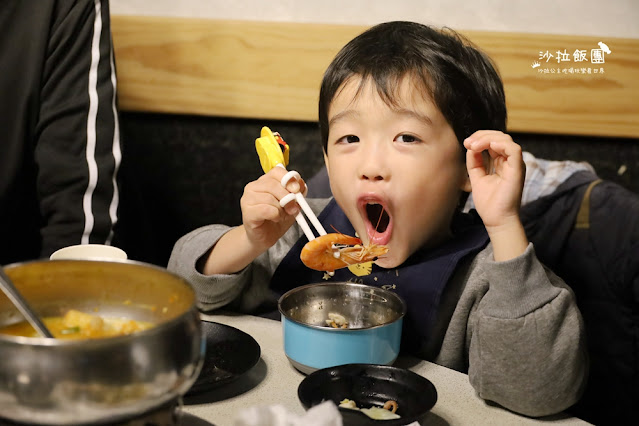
(370, 385)
(229, 354)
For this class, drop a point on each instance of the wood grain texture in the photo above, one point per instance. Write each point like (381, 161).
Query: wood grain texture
(272, 71)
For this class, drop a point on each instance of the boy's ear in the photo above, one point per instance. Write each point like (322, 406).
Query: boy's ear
(326, 161)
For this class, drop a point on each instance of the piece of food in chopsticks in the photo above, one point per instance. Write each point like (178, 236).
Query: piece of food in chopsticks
(334, 251)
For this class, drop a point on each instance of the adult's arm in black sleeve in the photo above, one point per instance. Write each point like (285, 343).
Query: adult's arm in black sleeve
(78, 149)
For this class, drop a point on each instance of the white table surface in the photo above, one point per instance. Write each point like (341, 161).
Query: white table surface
(274, 381)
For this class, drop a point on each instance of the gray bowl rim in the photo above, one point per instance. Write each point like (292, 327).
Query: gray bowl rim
(385, 292)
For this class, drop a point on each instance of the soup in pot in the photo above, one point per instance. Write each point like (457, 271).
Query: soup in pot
(79, 325)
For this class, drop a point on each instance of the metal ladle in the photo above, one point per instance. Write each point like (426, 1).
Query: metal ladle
(14, 295)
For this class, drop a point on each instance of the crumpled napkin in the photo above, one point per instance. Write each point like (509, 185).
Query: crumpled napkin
(324, 414)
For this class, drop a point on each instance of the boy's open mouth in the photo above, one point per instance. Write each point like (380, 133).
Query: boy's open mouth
(377, 216)
(378, 221)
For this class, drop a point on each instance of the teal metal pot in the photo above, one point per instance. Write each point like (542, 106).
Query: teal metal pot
(374, 325)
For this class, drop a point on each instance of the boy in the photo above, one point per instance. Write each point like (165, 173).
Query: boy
(398, 106)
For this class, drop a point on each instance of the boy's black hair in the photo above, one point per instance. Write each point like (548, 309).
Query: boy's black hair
(460, 79)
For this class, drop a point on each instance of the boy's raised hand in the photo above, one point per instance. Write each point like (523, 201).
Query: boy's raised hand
(265, 221)
(497, 194)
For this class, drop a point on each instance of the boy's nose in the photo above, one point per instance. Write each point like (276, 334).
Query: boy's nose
(373, 166)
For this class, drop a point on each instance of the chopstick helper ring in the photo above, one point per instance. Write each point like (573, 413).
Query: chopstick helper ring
(320, 253)
(274, 152)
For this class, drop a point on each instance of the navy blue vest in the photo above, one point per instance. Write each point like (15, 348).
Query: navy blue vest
(420, 280)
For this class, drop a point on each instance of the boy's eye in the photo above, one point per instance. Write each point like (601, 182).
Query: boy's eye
(407, 138)
(349, 139)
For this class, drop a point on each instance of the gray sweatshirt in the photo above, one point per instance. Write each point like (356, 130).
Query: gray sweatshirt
(513, 327)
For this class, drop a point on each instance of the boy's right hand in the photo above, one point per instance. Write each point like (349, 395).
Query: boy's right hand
(265, 221)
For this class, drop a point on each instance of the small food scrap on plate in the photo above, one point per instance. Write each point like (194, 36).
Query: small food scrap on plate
(377, 413)
(336, 320)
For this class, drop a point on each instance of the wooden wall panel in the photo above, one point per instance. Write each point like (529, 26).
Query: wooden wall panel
(268, 70)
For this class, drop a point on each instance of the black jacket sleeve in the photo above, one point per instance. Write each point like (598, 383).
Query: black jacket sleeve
(77, 142)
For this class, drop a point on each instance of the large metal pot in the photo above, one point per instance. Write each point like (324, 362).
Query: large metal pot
(54, 381)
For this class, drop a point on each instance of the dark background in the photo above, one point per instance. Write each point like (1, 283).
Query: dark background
(181, 172)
